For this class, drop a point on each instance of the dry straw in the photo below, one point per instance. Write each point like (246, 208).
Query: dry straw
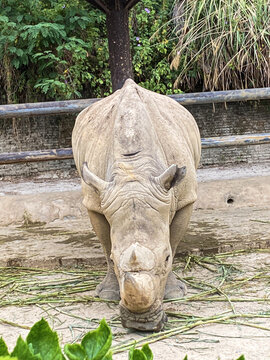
(224, 282)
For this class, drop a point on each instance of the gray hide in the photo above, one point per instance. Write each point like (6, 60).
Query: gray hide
(137, 152)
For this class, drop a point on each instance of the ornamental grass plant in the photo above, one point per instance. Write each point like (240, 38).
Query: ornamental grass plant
(222, 44)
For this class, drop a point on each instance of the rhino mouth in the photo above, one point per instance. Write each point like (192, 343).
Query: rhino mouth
(152, 320)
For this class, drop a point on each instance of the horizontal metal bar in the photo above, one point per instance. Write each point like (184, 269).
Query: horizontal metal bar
(35, 156)
(75, 106)
(222, 96)
(44, 108)
(223, 141)
(66, 153)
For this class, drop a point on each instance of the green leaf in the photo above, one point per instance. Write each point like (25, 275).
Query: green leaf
(97, 343)
(7, 358)
(144, 354)
(75, 352)
(4, 19)
(185, 358)
(23, 352)
(147, 352)
(19, 18)
(44, 341)
(241, 357)
(136, 354)
(3, 348)
(130, 353)
(16, 63)
(108, 356)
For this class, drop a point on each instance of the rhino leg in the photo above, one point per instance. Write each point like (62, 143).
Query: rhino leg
(174, 287)
(109, 287)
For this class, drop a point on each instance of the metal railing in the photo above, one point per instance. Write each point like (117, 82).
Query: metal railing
(75, 106)
(66, 153)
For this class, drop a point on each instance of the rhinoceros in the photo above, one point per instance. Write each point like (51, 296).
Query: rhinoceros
(137, 153)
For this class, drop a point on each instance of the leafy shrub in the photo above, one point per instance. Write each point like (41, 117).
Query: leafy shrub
(53, 50)
(149, 32)
(42, 344)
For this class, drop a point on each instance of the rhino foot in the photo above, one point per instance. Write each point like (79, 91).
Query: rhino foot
(174, 288)
(109, 288)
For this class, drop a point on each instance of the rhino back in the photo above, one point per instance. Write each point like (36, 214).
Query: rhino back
(133, 120)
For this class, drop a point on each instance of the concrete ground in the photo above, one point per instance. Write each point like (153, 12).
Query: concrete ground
(44, 225)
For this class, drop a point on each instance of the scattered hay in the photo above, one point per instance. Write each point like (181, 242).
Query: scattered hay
(210, 279)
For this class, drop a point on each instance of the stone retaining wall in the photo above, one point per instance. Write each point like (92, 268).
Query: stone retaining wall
(213, 120)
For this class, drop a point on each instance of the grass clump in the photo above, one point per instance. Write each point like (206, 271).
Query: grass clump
(222, 45)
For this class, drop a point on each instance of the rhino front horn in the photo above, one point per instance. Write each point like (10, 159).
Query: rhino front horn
(137, 293)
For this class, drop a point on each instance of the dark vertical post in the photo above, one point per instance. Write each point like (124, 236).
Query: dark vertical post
(119, 45)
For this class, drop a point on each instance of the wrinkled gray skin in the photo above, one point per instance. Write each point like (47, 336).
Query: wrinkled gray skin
(137, 153)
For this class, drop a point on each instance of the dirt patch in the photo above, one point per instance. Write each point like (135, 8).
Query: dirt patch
(226, 312)
(72, 242)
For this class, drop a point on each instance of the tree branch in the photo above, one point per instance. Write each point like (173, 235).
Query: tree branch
(130, 4)
(101, 5)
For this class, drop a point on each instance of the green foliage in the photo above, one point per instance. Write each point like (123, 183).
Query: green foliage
(42, 341)
(151, 47)
(23, 352)
(144, 354)
(3, 348)
(51, 50)
(94, 346)
(42, 344)
(58, 49)
(222, 44)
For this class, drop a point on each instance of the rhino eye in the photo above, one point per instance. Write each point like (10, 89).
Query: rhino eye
(167, 258)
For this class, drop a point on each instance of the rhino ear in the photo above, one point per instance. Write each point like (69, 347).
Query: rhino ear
(91, 179)
(172, 176)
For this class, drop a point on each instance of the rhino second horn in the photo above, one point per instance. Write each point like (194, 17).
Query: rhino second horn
(133, 258)
(137, 292)
(137, 258)
(172, 176)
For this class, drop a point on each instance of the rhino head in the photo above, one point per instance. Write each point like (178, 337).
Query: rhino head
(138, 211)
